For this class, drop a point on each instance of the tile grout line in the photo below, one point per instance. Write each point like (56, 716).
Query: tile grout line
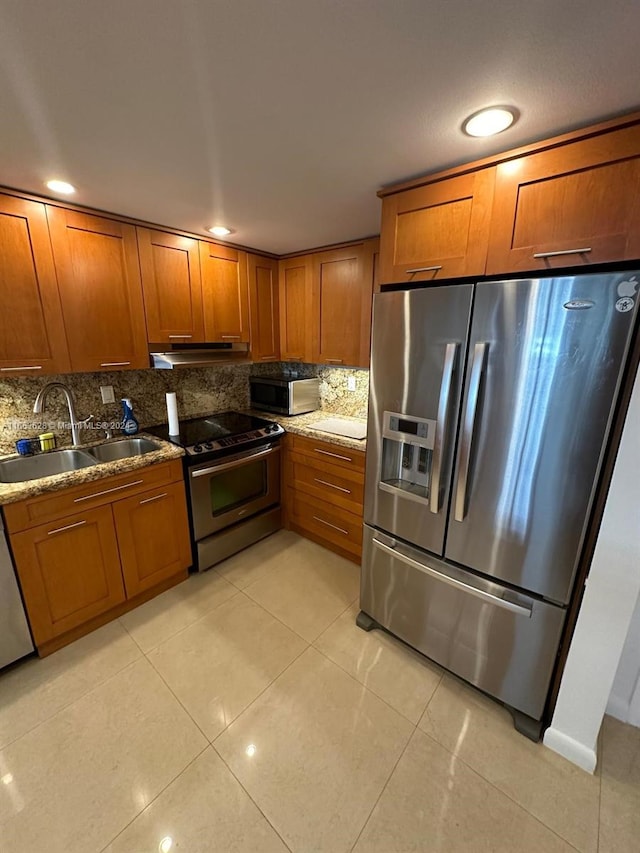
(500, 791)
(151, 802)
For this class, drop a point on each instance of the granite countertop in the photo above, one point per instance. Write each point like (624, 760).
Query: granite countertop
(301, 425)
(13, 492)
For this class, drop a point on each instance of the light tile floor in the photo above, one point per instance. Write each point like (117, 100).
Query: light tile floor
(244, 711)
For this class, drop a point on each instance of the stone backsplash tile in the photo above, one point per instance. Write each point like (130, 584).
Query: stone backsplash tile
(199, 391)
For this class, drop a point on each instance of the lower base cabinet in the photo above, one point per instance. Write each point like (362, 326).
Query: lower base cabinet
(85, 566)
(323, 493)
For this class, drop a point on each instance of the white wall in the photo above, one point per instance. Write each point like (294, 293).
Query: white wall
(607, 608)
(624, 701)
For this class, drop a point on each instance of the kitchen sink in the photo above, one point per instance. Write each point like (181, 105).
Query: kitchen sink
(23, 468)
(123, 449)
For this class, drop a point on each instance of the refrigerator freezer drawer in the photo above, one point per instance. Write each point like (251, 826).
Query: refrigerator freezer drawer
(502, 641)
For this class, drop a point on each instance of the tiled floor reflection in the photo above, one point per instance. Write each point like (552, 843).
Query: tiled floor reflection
(244, 711)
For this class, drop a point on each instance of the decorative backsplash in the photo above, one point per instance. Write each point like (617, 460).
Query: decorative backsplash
(199, 391)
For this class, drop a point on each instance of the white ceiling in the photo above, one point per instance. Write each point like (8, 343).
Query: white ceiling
(282, 118)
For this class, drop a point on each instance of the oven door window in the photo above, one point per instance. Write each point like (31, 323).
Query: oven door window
(229, 490)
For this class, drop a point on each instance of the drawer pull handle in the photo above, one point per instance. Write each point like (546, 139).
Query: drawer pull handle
(115, 363)
(107, 491)
(230, 337)
(333, 486)
(564, 252)
(154, 498)
(434, 268)
(334, 360)
(335, 455)
(180, 337)
(10, 369)
(68, 527)
(333, 526)
(293, 358)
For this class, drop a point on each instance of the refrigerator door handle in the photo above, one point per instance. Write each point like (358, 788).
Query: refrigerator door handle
(442, 424)
(477, 366)
(487, 597)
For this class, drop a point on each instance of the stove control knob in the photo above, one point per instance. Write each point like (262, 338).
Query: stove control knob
(208, 445)
(197, 448)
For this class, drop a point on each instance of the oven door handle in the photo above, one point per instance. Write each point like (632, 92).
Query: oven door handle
(242, 460)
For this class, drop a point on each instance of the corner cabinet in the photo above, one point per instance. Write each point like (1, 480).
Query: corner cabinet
(264, 308)
(172, 286)
(341, 295)
(32, 336)
(436, 231)
(86, 554)
(99, 281)
(295, 308)
(225, 293)
(577, 204)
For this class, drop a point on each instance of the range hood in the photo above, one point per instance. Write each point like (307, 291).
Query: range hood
(175, 356)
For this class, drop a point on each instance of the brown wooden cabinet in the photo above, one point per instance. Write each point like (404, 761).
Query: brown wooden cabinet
(32, 337)
(264, 304)
(323, 487)
(100, 290)
(153, 537)
(295, 308)
(69, 572)
(341, 294)
(439, 230)
(172, 286)
(577, 203)
(225, 293)
(86, 554)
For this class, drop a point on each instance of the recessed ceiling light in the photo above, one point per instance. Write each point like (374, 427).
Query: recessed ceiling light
(489, 122)
(220, 230)
(61, 187)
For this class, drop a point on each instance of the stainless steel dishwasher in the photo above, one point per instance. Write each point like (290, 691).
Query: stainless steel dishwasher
(15, 637)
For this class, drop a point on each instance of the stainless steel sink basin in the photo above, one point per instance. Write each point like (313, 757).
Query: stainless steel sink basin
(123, 449)
(24, 468)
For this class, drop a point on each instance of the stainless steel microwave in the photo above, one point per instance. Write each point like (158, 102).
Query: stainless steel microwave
(284, 395)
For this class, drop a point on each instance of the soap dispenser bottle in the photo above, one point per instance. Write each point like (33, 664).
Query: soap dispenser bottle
(129, 423)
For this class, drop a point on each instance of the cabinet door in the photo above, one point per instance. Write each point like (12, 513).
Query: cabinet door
(437, 231)
(295, 309)
(225, 293)
(153, 535)
(170, 267)
(69, 571)
(575, 204)
(32, 339)
(100, 289)
(264, 304)
(341, 305)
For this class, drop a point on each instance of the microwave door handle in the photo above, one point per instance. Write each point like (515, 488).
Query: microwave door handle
(442, 424)
(468, 428)
(237, 463)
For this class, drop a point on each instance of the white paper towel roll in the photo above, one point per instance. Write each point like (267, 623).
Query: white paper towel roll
(172, 412)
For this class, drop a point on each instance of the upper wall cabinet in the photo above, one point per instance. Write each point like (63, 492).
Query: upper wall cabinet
(342, 289)
(170, 267)
(295, 308)
(32, 338)
(264, 304)
(225, 293)
(437, 231)
(99, 281)
(575, 204)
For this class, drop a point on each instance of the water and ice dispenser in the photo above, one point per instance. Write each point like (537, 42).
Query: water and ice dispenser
(407, 455)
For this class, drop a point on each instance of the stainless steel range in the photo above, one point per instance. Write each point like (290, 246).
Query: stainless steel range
(232, 471)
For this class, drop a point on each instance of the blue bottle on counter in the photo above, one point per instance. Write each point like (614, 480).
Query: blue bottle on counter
(129, 423)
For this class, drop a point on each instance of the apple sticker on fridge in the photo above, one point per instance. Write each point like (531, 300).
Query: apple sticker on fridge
(626, 292)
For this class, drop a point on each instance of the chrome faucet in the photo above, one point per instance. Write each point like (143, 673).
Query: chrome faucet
(38, 408)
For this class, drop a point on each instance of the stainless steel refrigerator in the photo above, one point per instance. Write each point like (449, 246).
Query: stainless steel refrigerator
(489, 412)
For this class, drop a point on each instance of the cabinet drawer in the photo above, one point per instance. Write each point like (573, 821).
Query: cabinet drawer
(338, 486)
(333, 453)
(326, 521)
(51, 506)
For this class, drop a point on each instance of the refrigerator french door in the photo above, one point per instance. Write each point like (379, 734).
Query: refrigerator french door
(490, 408)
